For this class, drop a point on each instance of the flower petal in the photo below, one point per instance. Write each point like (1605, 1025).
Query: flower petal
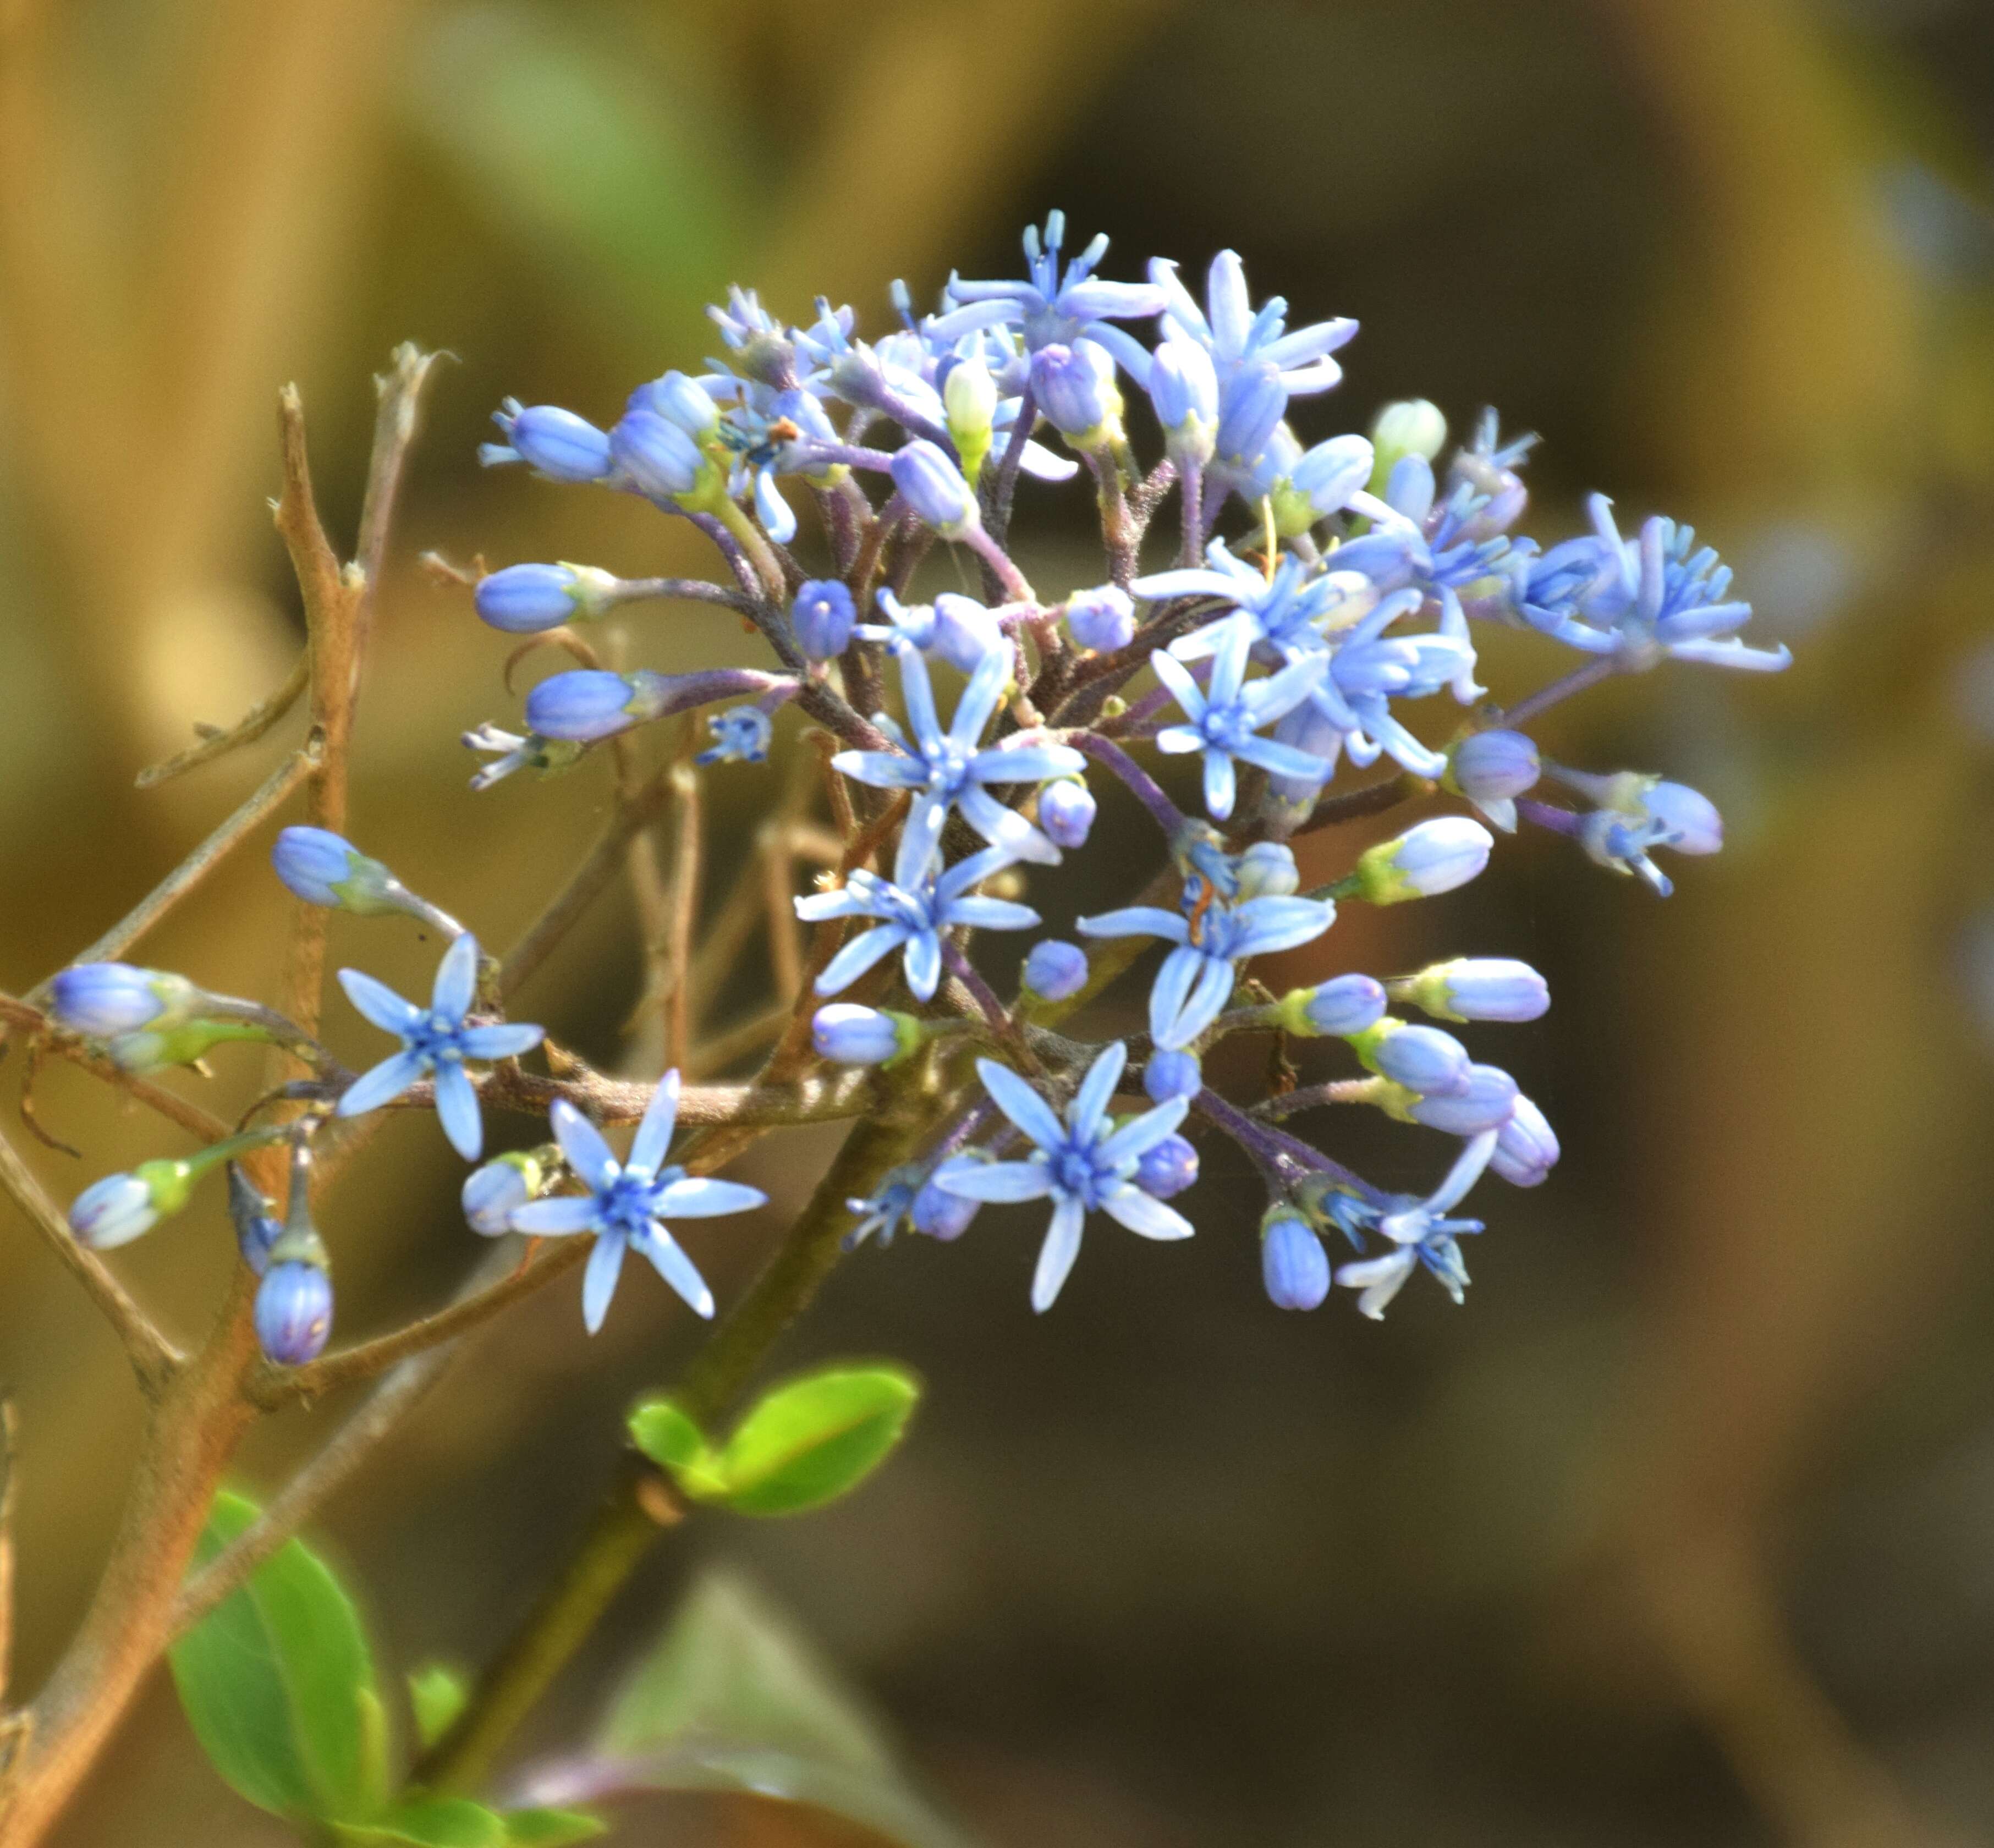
(556, 1217)
(654, 1133)
(1056, 1254)
(1019, 1102)
(385, 1082)
(921, 964)
(598, 1283)
(503, 1039)
(670, 1262)
(456, 979)
(1147, 1217)
(379, 1003)
(859, 955)
(693, 1196)
(1137, 1136)
(1090, 1102)
(457, 1111)
(582, 1143)
(998, 1180)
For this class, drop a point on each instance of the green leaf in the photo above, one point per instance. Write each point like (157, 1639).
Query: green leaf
(432, 1823)
(436, 1695)
(551, 1828)
(278, 1683)
(812, 1440)
(734, 1698)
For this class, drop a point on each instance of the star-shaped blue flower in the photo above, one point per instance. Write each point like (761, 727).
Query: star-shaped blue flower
(1285, 613)
(1050, 304)
(1226, 717)
(947, 770)
(1211, 935)
(1418, 1231)
(913, 911)
(628, 1203)
(1083, 1164)
(434, 1039)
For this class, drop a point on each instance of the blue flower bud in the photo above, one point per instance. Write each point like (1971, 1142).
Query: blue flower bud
(1103, 619)
(964, 632)
(1482, 987)
(1184, 388)
(1694, 824)
(1526, 1149)
(939, 1213)
(1075, 387)
(847, 1034)
(1486, 1102)
(932, 486)
(656, 455)
(1267, 869)
(106, 999)
(1491, 769)
(587, 703)
(1166, 1169)
(492, 1192)
(1172, 1072)
(1342, 1006)
(113, 1212)
(1332, 472)
(1435, 857)
(1294, 1266)
(822, 617)
(1065, 811)
(1056, 970)
(555, 442)
(523, 600)
(1256, 402)
(322, 868)
(1422, 1059)
(679, 400)
(294, 1312)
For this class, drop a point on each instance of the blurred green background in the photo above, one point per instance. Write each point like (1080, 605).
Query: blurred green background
(1683, 1530)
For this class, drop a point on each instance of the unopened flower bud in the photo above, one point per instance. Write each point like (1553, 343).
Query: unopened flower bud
(1166, 1169)
(1184, 388)
(1422, 1059)
(553, 442)
(1055, 970)
(1526, 1149)
(1075, 387)
(969, 399)
(106, 999)
(847, 1034)
(493, 1191)
(1332, 472)
(1491, 769)
(1343, 1005)
(1293, 1265)
(113, 1212)
(1485, 1102)
(939, 1213)
(657, 458)
(964, 632)
(823, 618)
(1172, 1072)
(1412, 426)
(932, 486)
(1694, 824)
(523, 599)
(587, 703)
(324, 869)
(1256, 402)
(679, 400)
(1102, 619)
(1067, 811)
(1478, 987)
(1267, 871)
(294, 1312)
(1435, 857)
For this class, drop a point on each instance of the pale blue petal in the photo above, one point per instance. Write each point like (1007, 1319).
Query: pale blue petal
(556, 1218)
(980, 697)
(1026, 764)
(1137, 1138)
(598, 1283)
(1221, 786)
(654, 1133)
(457, 1111)
(1019, 1102)
(671, 1263)
(992, 914)
(859, 955)
(917, 695)
(1171, 989)
(881, 769)
(1135, 921)
(379, 1003)
(1281, 923)
(922, 964)
(696, 1197)
(582, 1143)
(1207, 1002)
(1176, 679)
(1056, 1254)
(1006, 828)
(506, 1039)
(1000, 1181)
(1090, 1102)
(385, 1082)
(456, 979)
(1150, 1218)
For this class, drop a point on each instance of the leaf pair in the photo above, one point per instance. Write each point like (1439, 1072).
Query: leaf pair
(802, 1444)
(280, 1686)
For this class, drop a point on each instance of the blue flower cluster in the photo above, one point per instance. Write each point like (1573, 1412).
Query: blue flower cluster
(1317, 629)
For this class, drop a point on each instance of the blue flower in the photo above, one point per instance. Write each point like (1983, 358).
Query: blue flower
(324, 868)
(1226, 718)
(1491, 769)
(106, 999)
(1167, 1167)
(1211, 935)
(1168, 1074)
(1050, 305)
(628, 1203)
(510, 751)
(1102, 619)
(1055, 970)
(1526, 1149)
(1486, 1101)
(1066, 810)
(1343, 1005)
(847, 1034)
(953, 628)
(657, 458)
(1074, 386)
(524, 600)
(1642, 600)
(1294, 1268)
(913, 912)
(1486, 987)
(822, 617)
(1082, 1164)
(1417, 1230)
(293, 1312)
(1286, 612)
(932, 486)
(947, 770)
(740, 735)
(434, 1039)
(1430, 857)
(885, 1208)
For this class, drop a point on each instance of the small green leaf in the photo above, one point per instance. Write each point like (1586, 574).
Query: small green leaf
(551, 1828)
(436, 1694)
(278, 1683)
(734, 1698)
(810, 1441)
(432, 1823)
(668, 1437)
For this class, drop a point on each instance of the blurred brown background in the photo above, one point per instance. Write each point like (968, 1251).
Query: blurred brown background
(1683, 1530)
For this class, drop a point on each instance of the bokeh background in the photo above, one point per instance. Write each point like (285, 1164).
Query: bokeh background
(1683, 1530)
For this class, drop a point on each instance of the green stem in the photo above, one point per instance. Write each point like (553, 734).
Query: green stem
(640, 1505)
